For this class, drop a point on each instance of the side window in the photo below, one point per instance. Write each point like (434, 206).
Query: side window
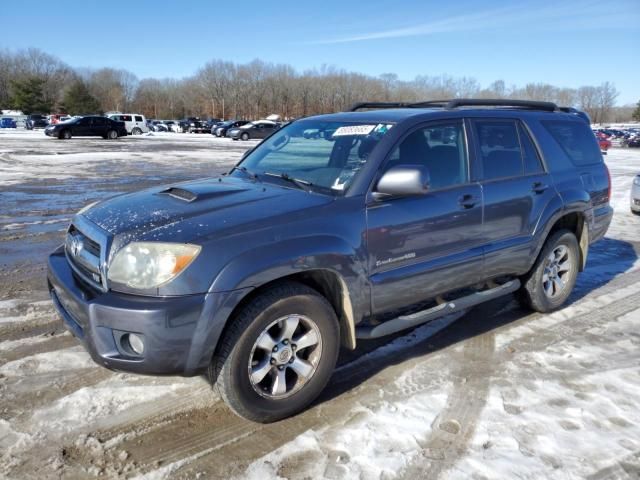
(499, 148)
(138, 118)
(532, 162)
(440, 148)
(126, 118)
(576, 139)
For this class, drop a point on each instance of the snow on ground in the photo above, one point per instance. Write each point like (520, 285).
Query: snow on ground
(496, 393)
(50, 158)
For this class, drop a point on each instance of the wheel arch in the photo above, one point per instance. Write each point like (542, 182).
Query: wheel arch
(327, 283)
(574, 221)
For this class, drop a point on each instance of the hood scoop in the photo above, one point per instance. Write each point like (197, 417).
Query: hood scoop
(200, 191)
(180, 193)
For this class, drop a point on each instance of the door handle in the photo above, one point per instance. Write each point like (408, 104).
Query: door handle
(467, 201)
(539, 187)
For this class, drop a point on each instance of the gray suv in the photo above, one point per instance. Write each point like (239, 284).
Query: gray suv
(386, 217)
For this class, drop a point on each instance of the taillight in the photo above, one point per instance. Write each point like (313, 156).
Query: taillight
(609, 182)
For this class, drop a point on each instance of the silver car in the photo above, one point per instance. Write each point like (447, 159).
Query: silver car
(635, 195)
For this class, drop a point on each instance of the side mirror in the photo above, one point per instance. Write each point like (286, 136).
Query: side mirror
(403, 181)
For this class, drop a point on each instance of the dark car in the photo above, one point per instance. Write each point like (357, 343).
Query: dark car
(386, 219)
(258, 129)
(194, 125)
(90, 126)
(222, 129)
(36, 121)
(7, 122)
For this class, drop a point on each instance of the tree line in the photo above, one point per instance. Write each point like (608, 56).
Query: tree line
(35, 81)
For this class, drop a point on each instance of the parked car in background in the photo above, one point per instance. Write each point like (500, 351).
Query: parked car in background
(193, 125)
(257, 129)
(171, 125)
(605, 144)
(222, 129)
(135, 123)
(90, 126)
(36, 120)
(635, 195)
(58, 117)
(210, 123)
(7, 122)
(158, 126)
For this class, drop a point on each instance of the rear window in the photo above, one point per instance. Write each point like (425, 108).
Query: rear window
(577, 141)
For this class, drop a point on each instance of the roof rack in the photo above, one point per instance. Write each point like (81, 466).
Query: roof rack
(378, 105)
(462, 102)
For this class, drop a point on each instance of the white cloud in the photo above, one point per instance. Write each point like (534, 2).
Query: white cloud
(564, 16)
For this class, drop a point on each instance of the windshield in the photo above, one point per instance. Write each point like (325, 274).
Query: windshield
(324, 155)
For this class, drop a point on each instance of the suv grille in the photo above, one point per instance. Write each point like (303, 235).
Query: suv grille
(84, 254)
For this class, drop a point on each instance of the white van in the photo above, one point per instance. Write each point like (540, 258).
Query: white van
(134, 123)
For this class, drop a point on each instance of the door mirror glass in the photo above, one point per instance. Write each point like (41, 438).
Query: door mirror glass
(403, 181)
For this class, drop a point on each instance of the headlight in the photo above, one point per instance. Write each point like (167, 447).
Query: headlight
(636, 181)
(86, 207)
(145, 265)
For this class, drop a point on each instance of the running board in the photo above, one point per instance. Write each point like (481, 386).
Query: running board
(418, 318)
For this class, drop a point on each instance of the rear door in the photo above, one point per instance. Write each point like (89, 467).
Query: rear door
(516, 189)
(422, 246)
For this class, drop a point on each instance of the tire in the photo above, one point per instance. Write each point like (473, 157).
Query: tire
(112, 135)
(136, 131)
(65, 135)
(245, 136)
(635, 212)
(262, 396)
(539, 290)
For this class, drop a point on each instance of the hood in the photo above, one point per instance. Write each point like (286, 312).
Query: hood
(188, 210)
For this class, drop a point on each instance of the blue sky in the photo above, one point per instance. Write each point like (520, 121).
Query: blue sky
(564, 43)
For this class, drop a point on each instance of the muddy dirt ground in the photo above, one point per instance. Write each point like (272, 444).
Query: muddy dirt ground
(499, 392)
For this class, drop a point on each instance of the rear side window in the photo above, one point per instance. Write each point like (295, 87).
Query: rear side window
(532, 162)
(138, 118)
(499, 148)
(576, 139)
(126, 118)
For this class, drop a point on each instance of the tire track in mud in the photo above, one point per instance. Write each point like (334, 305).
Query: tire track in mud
(48, 344)
(453, 427)
(21, 396)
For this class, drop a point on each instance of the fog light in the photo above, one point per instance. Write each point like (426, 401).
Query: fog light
(136, 343)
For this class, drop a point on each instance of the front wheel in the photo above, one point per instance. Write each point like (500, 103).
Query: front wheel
(551, 280)
(65, 135)
(112, 134)
(277, 354)
(245, 136)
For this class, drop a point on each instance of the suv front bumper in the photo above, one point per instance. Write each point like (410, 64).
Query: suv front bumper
(179, 333)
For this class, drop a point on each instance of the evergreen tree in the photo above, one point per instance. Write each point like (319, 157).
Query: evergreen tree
(78, 100)
(636, 113)
(28, 95)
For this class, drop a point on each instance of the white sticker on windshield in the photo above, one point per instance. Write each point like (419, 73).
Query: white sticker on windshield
(354, 130)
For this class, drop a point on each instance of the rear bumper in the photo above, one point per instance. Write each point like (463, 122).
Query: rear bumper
(179, 333)
(601, 220)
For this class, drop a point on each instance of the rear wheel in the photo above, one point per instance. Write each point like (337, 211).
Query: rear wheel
(551, 280)
(136, 131)
(278, 354)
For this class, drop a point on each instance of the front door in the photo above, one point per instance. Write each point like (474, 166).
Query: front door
(422, 246)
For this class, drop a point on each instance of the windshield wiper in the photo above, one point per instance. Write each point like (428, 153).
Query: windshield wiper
(301, 184)
(244, 170)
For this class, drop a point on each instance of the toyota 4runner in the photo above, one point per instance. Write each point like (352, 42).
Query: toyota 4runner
(387, 217)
